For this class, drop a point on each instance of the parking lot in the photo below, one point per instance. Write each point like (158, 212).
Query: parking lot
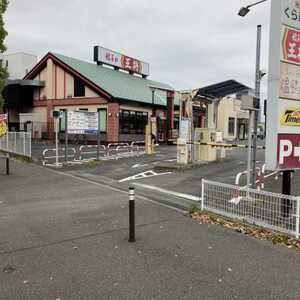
(64, 236)
(150, 174)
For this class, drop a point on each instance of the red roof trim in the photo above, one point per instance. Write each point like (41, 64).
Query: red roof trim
(66, 67)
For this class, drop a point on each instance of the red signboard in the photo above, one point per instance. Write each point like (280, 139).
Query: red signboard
(121, 61)
(288, 151)
(291, 45)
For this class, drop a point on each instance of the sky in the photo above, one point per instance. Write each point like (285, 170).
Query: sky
(188, 44)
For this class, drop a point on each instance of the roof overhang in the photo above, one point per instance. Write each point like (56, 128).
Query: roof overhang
(217, 91)
(26, 83)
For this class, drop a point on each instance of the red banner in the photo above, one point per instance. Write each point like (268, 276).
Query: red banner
(288, 151)
(291, 45)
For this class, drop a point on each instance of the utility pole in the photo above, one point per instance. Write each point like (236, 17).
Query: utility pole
(256, 112)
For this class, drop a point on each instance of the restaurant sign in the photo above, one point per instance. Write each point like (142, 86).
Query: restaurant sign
(283, 115)
(105, 56)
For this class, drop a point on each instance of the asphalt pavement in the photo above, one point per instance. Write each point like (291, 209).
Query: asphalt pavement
(64, 237)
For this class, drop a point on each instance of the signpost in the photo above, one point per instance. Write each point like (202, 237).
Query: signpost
(283, 127)
(57, 115)
(82, 122)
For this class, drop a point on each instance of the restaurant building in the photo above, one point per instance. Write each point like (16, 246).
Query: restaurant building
(115, 85)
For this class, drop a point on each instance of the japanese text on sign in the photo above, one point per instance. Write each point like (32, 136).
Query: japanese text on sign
(81, 122)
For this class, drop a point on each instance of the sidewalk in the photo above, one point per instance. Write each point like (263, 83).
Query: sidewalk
(66, 238)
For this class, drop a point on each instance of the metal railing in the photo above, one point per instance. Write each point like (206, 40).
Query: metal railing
(86, 153)
(273, 211)
(16, 143)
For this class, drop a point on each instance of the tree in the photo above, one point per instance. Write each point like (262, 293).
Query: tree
(3, 34)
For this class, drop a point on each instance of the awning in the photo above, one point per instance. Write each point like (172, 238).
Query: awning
(19, 93)
(222, 89)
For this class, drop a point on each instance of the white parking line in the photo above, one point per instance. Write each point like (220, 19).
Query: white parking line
(143, 175)
(139, 166)
(168, 192)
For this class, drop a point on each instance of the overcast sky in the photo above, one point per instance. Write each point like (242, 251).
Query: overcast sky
(189, 44)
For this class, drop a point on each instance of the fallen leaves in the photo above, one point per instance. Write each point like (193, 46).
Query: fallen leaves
(8, 269)
(251, 230)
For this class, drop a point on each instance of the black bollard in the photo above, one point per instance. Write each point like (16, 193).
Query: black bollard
(131, 215)
(7, 164)
(286, 190)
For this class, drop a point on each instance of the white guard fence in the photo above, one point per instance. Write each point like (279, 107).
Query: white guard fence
(17, 143)
(273, 211)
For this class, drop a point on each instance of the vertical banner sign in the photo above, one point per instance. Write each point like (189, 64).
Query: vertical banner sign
(3, 124)
(283, 120)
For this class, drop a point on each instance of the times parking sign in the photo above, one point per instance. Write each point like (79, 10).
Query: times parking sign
(283, 115)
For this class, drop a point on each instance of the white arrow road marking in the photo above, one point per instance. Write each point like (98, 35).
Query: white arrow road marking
(161, 190)
(143, 175)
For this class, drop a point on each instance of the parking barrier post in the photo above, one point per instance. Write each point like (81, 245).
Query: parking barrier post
(7, 164)
(131, 215)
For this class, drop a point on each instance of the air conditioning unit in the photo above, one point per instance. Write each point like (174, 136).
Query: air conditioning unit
(249, 103)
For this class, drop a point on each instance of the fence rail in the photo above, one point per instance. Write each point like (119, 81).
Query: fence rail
(273, 211)
(17, 143)
(86, 153)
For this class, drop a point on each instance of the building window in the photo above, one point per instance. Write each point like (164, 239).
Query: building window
(231, 122)
(79, 88)
(103, 119)
(133, 122)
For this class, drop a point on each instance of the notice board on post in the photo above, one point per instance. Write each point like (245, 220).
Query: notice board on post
(83, 122)
(283, 108)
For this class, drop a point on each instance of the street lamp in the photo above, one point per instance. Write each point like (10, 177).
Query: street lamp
(253, 115)
(246, 9)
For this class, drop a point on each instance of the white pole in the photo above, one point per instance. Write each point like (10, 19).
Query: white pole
(297, 217)
(249, 151)
(7, 139)
(56, 141)
(24, 143)
(202, 194)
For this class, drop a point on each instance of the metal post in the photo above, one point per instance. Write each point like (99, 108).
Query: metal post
(202, 194)
(131, 215)
(249, 148)
(153, 116)
(66, 136)
(256, 112)
(15, 142)
(7, 164)
(24, 143)
(98, 137)
(56, 120)
(286, 190)
(7, 139)
(298, 218)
